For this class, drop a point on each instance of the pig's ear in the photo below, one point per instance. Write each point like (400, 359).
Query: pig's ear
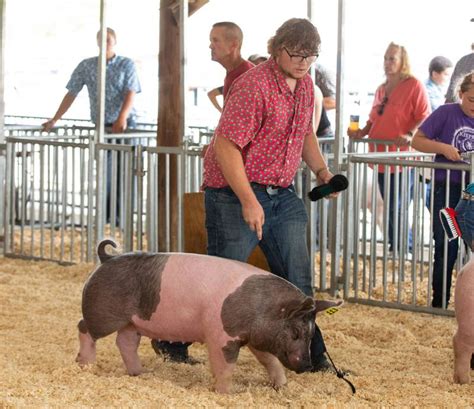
(298, 308)
(322, 305)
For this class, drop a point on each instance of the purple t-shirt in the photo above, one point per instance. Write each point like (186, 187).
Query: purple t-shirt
(449, 124)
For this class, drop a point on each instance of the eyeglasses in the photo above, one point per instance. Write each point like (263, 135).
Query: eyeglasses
(300, 58)
(381, 107)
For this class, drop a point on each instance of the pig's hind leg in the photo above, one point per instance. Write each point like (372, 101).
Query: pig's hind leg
(86, 354)
(128, 340)
(275, 370)
(462, 360)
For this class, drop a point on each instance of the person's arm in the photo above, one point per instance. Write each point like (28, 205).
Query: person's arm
(63, 107)
(405, 140)
(423, 144)
(120, 124)
(314, 158)
(212, 95)
(318, 106)
(231, 163)
(329, 103)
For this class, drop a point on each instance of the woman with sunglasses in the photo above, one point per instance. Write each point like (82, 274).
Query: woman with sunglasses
(400, 105)
(448, 132)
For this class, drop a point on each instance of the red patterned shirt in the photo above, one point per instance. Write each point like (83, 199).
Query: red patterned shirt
(268, 123)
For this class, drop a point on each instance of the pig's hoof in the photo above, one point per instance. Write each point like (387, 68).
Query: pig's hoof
(278, 385)
(222, 389)
(83, 361)
(462, 379)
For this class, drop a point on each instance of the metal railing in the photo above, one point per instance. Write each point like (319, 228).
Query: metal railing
(373, 274)
(55, 209)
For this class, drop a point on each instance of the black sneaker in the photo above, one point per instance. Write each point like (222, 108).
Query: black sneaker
(322, 365)
(174, 351)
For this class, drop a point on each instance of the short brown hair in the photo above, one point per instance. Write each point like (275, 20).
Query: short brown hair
(232, 31)
(109, 31)
(298, 34)
(467, 82)
(439, 64)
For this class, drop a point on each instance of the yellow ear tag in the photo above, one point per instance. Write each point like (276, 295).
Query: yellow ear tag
(332, 310)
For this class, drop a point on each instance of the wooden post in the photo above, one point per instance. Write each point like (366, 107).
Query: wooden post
(169, 122)
(170, 114)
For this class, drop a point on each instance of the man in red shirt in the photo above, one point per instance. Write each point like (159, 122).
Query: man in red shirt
(225, 44)
(263, 133)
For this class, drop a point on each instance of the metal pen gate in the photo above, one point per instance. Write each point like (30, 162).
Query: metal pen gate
(54, 210)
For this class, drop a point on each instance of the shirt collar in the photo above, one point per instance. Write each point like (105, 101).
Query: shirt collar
(112, 60)
(279, 76)
(281, 79)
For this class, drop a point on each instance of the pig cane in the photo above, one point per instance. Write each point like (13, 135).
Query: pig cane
(341, 374)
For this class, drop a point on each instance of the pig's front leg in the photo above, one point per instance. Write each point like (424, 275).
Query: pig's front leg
(274, 368)
(222, 360)
(128, 340)
(462, 360)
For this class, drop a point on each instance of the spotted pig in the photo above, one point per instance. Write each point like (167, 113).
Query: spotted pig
(176, 297)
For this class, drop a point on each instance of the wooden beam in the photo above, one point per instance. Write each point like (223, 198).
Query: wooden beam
(193, 6)
(169, 123)
(170, 116)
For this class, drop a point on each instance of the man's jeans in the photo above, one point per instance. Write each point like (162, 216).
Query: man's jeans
(284, 236)
(439, 236)
(284, 232)
(465, 218)
(131, 125)
(391, 214)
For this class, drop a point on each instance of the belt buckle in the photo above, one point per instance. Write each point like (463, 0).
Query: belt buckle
(272, 190)
(467, 196)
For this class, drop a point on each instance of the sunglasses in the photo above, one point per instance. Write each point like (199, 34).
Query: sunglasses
(300, 58)
(381, 107)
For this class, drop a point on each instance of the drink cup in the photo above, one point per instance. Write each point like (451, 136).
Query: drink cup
(354, 122)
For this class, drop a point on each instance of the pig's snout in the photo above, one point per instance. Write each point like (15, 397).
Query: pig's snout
(299, 363)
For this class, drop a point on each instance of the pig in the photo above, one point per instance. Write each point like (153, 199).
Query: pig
(463, 340)
(184, 297)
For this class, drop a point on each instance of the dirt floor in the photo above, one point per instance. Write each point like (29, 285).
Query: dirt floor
(396, 359)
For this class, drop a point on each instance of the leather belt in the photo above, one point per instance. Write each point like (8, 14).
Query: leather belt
(271, 189)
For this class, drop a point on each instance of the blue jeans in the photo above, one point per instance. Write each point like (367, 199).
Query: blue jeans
(465, 219)
(439, 236)
(391, 212)
(283, 242)
(131, 125)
